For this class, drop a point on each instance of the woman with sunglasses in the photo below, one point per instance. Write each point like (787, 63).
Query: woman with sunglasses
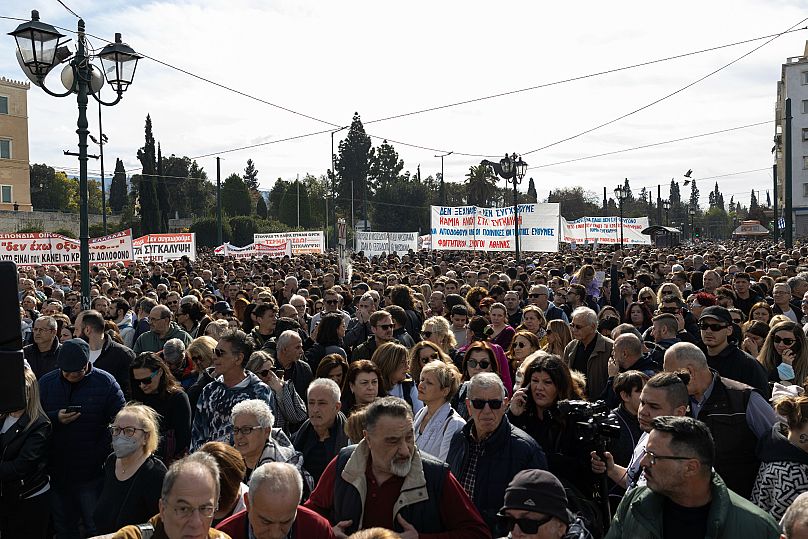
(437, 330)
(785, 354)
(154, 386)
(423, 353)
(133, 475)
(523, 344)
(436, 423)
(534, 409)
(479, 357)
(646, 296)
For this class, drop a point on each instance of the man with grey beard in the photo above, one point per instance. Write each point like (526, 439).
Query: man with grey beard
(385, 482)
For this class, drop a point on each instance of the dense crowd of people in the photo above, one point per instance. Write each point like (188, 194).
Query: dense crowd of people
(656, 392)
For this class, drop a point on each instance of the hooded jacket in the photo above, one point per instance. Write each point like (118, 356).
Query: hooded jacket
(783, 472)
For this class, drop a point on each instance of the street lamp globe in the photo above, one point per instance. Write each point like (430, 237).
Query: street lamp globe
(506, 165)
(37, 43)
(691, 211)
(521, 168)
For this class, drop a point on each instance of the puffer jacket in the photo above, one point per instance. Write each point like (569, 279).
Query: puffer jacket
(783, 472)
(79, 449)
(639, 516)
(151, 342)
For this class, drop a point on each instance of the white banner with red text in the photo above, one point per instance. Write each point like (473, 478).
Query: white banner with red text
(161, 247)
(312, 242)
(54, 249)
(272, 249)
(471, 228)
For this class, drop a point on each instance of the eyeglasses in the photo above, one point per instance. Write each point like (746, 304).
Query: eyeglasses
(527, 525)
(153, 320)
(331, 301)
(219, 352)
(785, 340)
(385, 326)
(652, 457)
(426, 334)
(127, 431)
(577, 326)
(264, 373)
(432, 357)
(520, 344)
(246, 431)
(646, 298)
(184, 511)
(148, 379)
(473, 363)
(704, 326)
(479, 404)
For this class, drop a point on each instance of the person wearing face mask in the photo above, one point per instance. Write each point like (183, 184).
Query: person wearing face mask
(133, 476)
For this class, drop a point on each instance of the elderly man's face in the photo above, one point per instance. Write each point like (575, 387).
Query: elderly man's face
(487, 417)
(187, 511)
(581, 329)
(392, 444)
(323, 407)
(272, 515)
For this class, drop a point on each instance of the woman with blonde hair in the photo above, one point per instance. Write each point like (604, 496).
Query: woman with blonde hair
(785, 354)
(534, 321)
(783, 472)
(558, 337)
(393, 363)
(523, 344)
(24, 482)
(436, 329)
(133, 475)
(201, 351)
(437, 422)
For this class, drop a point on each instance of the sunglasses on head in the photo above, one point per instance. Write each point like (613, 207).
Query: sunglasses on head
(527, 525)
(484, 364)
(479, 404)
(147, 380)
(785, 340)
(712, 327)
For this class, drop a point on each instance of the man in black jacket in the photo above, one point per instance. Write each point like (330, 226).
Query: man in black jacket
(725, 357)
(105, 353)
(488, 452)
(41, 354)
(322, 435)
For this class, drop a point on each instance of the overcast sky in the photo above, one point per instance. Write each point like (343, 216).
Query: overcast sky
(328, 59)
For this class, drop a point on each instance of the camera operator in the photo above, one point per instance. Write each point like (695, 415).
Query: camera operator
(664, 394)
(534, 409)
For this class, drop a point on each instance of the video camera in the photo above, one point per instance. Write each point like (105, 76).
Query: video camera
(592, 420)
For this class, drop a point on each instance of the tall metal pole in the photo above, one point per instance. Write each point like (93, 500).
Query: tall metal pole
(103, 185)
(219, 239)
(81, 63)
(442, 178)
(622, 238)
(515, 211)
(297, 182)
(775, 230)
(789, 214)
(658, 203)
(605, 204)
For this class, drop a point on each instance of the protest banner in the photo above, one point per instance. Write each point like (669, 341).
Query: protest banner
(605, 230)
(470, 228)
(376, 243)
(311, 242)
(425, 242)
(161, 247)
(272, 249)
(48, 248)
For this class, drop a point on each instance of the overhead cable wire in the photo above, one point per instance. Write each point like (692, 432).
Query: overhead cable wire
(667, 96)
(68, 9)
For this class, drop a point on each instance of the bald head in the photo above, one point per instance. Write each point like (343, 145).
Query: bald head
(685, 355)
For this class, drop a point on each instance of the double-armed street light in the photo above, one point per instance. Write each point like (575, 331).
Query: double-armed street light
(621, 192)
(512, 169)
(666, 205)
(38, 52)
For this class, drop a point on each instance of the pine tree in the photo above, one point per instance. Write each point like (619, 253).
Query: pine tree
(147, 190)
(261, 209)
(236, 196)
(352, 169)
(385, 166)
(694, 195)
(275, 198)
(251, 175)
(117, 188)
(532, 195)
(675, 196)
